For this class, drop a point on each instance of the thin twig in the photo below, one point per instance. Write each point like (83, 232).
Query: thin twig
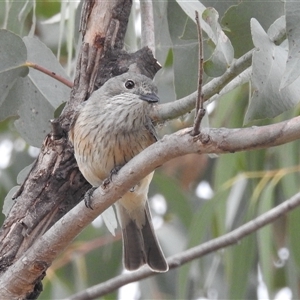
(175, 109)
(178, 260)
(50, 73)
(199, 110)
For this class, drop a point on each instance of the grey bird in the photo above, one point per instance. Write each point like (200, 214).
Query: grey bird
(110, 128)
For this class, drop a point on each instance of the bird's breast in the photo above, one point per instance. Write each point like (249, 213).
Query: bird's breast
(108, 140)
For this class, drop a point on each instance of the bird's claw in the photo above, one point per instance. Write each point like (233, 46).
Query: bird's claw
(88, 197)
(133, 188)
(108, 180)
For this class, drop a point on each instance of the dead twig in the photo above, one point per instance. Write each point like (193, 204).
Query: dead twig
(199, 110)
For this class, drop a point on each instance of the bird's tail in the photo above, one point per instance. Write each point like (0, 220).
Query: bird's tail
(140, 245)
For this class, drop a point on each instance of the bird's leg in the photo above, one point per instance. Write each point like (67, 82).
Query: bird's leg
(114, 172)
(88, 197)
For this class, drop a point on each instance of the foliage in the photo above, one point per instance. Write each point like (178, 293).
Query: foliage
(244, 184)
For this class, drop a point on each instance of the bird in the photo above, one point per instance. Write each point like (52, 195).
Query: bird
(109, 129)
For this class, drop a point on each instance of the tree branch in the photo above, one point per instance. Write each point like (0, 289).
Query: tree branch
(23, 273)
(147, 34)
(59, 78)
(184, 257)
(186, 104)
(199, 110)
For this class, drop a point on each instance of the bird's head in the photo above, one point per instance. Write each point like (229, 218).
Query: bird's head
(132, 83)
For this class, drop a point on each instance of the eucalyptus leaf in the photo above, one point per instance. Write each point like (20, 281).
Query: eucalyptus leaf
(16, 15)
(34, 98)
(292, 71)
(23, 173)
(265, 238)
(13, 55)
(277, 28)
(189, 7)
(8, 201)
(223, 54)
(185, 52)
(164, 79)
(268, 65)
(53, 91)
(236, 21)
(293, 233)
(33, 124)
(200, 219)
(243, 258)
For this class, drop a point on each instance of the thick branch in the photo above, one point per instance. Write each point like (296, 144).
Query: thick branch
(21, 274)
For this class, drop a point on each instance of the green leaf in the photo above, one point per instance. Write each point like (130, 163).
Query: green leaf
(242, 258)
(265, 239)
(34, 98)
(220, 6)
(47, 8)
(288, 158)
(268, 65)
(223, 53)
(23, 173)
(200, 225)
(292, 71)
(185, 52)
(16, 14)
(53, 91)
(13, 55)
(8, 201)
(236, 21)
(162, 36)
(35, 113)
(189, 7)
(177, 200)
(293, 233)
(164, 79)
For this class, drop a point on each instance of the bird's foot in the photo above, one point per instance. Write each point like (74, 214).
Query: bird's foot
(132, 190)
(88, 197)
(108, 180)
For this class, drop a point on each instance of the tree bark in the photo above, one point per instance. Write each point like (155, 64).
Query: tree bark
(55, 185)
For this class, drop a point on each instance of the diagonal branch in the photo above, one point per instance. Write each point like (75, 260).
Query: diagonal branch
(186, 104)
(23, 273)
(184, 257)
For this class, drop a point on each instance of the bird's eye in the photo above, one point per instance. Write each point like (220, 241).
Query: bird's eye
(129, 84)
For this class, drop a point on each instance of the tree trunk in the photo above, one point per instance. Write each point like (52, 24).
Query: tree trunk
(55, 185)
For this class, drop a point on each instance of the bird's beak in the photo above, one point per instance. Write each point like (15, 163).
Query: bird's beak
(151, 98)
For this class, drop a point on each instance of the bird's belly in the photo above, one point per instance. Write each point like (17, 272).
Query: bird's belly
(97, 162)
